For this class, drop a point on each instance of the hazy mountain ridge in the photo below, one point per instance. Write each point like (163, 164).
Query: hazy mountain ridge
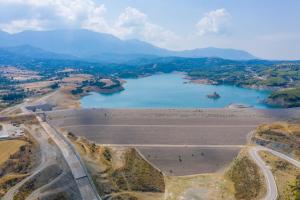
(86, 44)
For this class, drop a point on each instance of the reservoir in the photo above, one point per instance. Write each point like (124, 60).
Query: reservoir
(172, 91)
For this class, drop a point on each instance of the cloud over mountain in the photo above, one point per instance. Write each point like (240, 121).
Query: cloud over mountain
(88, 14)
(213, 22)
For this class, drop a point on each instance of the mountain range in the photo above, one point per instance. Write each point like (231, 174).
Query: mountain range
(98, 47)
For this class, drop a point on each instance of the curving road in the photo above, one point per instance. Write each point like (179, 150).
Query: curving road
(48, 154)
(272, 192)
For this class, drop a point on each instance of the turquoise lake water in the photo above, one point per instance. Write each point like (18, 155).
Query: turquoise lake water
(169, 91)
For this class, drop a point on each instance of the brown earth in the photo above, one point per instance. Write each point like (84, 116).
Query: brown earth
(117, 171)
(19, 157)
(281, 136)
(63, 99)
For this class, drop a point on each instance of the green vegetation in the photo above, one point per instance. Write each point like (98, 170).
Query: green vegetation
(77, 91)
(54, 86)
(246, 178)
(295, 188)
(16, 97)
(107, 154)
(275, 81)
(97, 84)
(274, 75)
(286, 98)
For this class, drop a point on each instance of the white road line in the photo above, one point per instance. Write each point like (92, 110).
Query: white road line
(161, 125)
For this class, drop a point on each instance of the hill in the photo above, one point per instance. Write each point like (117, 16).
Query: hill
(105, 47)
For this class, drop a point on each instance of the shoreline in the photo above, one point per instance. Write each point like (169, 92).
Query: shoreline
(211, 82)
(76, 99)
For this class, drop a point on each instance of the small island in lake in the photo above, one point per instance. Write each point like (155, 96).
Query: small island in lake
(214, 95)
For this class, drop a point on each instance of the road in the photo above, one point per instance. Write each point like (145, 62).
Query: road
(85, 185)
(272, 192)
(84, 182)
(22, 106)
(48, 155)
(172, 145)
(161, 125)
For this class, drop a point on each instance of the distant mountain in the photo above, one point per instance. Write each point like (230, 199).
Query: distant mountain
(86, 44)
(34, 52)
(231, 54)
(80, 43)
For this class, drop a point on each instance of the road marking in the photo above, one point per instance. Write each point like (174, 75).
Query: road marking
(161, 125)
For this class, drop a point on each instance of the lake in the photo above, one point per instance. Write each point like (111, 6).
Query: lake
(170, 91)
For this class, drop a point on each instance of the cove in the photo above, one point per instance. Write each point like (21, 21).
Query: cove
(170, 91)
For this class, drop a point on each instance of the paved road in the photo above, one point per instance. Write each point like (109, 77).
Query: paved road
(162, 125)
(172, 145)
(34, 101)
(85, 184)
(272, 192)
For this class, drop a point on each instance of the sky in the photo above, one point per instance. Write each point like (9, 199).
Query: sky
(268, 29)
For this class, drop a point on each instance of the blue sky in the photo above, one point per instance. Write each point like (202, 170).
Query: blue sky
(268, 29)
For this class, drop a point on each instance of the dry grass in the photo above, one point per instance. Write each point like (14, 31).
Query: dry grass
(281, 133)
(9, 181)
(287, 176)
(63, 99)
(8, 148)
(16, 160)
(247, 179)
(281, 127)
(37, 85)
(9, 177)
(77, 78)
(120, 172)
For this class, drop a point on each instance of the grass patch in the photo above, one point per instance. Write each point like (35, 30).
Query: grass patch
(139, 174)
(246, 178)
(287, 176)
(286, 97)
(120, 171)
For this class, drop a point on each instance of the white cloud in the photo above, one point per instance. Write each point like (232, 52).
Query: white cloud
(21, 25)
(213, 22)
(132, 23)
(51, 13)
(20, 15)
